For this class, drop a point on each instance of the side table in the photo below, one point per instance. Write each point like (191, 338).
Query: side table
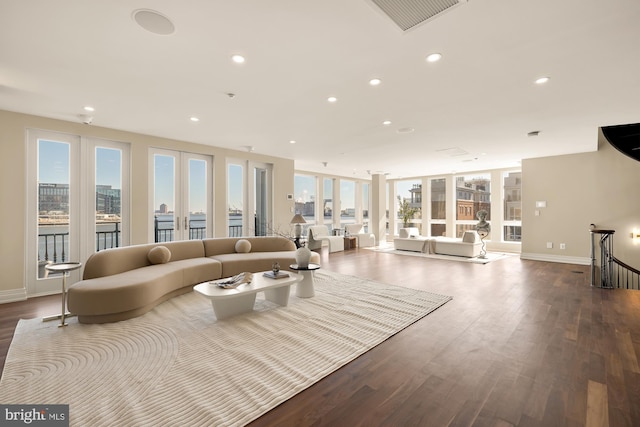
(350, 242)
(64, 268)
(305, 288)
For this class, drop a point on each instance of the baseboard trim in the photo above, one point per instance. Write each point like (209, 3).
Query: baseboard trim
(13, 295)
(556, 258)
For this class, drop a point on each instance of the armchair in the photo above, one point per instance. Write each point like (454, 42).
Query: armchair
(363, 239)
(319, 234)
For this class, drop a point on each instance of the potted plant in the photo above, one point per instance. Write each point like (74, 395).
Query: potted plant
(405, 212)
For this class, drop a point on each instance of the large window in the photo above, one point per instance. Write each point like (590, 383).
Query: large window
(347, 202)
(235, 199)
(304, 189)
(473, 193)
(366, 204)
(512, 206)
(75, 207)
(181, 185)
(108, 190)
(409, 211)
(327, 205)
(438, 207)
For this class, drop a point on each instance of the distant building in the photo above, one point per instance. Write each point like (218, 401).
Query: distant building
(163, 209)
(53, 197)
(107, 200)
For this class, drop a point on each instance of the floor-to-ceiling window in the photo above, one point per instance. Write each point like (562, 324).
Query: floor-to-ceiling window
(473, 193)
(512, 221)
(327, 205)
(77, 202)
(438, 218)
(347, 202)
(366, 204)
(305, 196)
(235, 199)
(181, 195)
(111, 196)
(409, 210)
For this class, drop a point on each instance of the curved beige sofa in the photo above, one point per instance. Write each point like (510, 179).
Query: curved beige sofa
(123, 283)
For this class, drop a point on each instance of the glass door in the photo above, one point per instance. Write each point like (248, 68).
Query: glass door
(53, 208)
(181, 196)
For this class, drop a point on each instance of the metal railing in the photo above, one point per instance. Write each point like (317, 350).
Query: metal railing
(54, 246)
(625, 276)
(611, 272)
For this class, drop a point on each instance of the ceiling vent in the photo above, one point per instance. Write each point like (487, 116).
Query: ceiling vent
(409, 13)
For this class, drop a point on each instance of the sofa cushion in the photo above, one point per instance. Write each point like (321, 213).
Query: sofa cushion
(243, 246)
(159, 255)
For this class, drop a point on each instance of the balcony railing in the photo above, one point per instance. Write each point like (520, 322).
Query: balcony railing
(54, 246)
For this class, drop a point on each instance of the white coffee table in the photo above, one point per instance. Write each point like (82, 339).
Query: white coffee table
(231, 302)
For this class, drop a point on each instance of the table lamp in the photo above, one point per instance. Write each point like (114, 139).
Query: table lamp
(298, 220)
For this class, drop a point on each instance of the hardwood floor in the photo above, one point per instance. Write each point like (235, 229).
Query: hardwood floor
(522, 343)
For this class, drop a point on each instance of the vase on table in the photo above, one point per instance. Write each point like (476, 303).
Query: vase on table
(303, 255)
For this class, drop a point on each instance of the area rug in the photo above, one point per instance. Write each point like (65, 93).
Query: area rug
(177, 365)
(490, 256)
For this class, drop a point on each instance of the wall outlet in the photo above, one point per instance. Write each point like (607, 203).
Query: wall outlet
(549, 245)
(563, 246)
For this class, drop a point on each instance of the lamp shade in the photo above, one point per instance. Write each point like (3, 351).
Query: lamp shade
(298, 219)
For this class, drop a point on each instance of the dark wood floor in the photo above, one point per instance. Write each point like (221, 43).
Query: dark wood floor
(522, 343)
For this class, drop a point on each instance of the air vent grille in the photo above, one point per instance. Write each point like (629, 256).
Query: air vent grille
(409, 13)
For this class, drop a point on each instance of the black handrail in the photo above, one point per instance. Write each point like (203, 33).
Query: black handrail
(625, 276)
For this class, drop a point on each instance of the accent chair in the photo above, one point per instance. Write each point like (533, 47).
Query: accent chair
(318, 236)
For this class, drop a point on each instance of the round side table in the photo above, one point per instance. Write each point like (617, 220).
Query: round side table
(304, 288)
(64, 268)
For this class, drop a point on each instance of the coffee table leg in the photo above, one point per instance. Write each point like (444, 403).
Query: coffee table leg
(279, 295)
(229, 307)
(305, 288)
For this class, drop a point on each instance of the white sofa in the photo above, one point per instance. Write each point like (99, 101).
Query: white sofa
(364, 240)
(318, 236)
(409, 239)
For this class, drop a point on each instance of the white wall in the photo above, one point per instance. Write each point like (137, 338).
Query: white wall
(599, 188)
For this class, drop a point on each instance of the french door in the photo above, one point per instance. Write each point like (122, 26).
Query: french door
(180, 198)
(77, 203)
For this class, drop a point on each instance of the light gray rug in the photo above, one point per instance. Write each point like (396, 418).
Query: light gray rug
(177, 365)
(491, 256)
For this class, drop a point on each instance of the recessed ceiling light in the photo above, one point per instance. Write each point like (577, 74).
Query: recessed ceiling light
(542, 80)
(533, 133)
(194, 119)
(386, 122)
(405, 130)
(292, 142)
(375, 82)
(434, 57)
(154, 22)
(332, 99)
(89, 108)
(238, 59)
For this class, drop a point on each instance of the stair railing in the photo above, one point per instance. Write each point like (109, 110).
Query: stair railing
(612, 273)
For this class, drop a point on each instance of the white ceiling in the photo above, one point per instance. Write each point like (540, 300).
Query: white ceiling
(58, 56)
